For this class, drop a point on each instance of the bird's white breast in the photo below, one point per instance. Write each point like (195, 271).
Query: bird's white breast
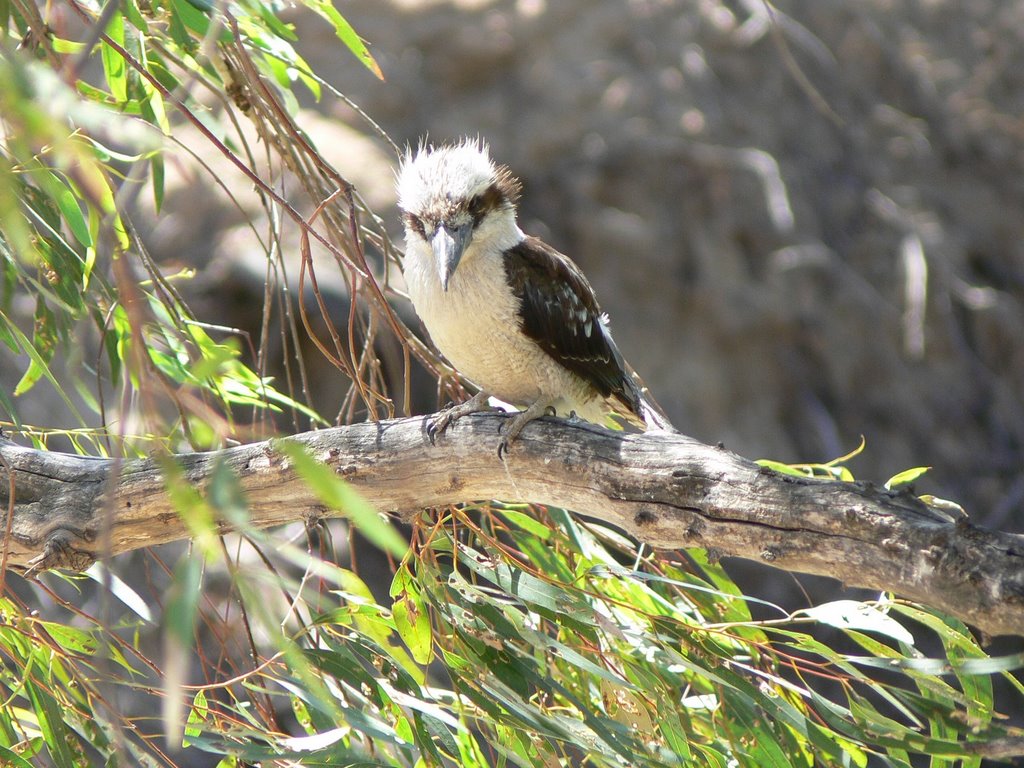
(475, 324)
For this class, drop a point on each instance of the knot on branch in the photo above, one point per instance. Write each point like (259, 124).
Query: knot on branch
(60, 552)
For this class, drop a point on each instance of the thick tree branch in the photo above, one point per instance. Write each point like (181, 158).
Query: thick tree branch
(667, 490)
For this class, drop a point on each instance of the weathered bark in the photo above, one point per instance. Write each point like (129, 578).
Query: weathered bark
(666, 490)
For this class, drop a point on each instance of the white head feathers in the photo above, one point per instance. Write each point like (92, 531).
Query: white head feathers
(439, 179)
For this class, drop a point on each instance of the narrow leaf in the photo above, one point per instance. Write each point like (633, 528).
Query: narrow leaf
(72, 213)
(346, 34)
(179, 631)
(339, 495)
(114, 66)
(851, 614)
(905, 477)
(99, 573)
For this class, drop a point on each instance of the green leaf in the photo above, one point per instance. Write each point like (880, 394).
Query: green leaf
(8, 406)
(905, 477)
(12, 759)
(528, 523)
(114, 66)
(72, 213)
(945, 506)
(176, 26)
(37, 360)
(411, 618)
(751, 735)
(180, 614)
(937, 666)
(53, 724)
(782, 469)
(226, 495)
(851, 455)
(833, 470)
(44, 344)
(277, 27)
(528, 588)
(189, 503)
(157, 176)
(197, 716)
(134, 16)
(192, 17)
(346, 34)
(70, 47)
(336, 494)
(73, 639)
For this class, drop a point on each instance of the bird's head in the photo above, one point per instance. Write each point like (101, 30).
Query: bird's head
(453, 195)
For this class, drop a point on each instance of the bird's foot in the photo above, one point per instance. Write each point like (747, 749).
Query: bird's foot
(476, 404)
(510, 429)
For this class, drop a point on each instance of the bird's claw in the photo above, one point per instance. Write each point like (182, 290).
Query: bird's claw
(509, 429)
(438, 425)
(452, 412)
(506, 439)
(504, 443)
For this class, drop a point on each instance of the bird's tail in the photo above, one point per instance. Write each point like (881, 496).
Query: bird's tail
(641, 409)
(652, 414)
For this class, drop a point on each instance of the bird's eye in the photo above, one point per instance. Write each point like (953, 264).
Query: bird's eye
(487, 201)
(415, 223)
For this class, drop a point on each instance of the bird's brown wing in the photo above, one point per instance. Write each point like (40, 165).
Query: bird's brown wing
(559, 311)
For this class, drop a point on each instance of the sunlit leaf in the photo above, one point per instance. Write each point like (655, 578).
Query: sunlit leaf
(851, 455)
(336, 494)
(99, 572)
(72, 638)
(114, 66)
(412, 621)
(782, 469)
(949, 508)
(905, 477)
(346, 34)
(851, 614)
(197, 715)
(193, 14)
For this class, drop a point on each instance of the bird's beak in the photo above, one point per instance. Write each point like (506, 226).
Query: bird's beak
(449, 243)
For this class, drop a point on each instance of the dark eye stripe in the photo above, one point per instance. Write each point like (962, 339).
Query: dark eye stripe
(489, 200)
(416, 223)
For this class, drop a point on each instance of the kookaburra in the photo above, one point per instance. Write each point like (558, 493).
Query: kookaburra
(513, 315)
